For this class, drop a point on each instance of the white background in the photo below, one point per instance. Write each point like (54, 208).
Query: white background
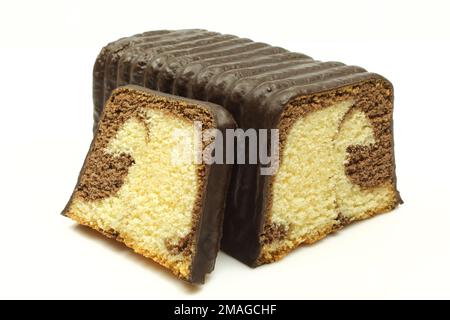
(47, 52)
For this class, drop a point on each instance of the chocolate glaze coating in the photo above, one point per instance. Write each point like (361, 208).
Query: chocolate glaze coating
(254, 81)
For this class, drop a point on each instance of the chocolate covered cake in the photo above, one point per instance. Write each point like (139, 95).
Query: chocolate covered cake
(134, 187)
(336, 161)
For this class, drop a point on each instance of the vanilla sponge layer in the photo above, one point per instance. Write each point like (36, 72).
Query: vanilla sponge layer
(311, 193)
(153, 210)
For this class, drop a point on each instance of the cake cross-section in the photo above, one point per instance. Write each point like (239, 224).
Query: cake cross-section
(135, 186)
(336, 159)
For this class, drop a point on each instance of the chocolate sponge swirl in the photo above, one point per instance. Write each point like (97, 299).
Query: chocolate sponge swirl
(328, 113)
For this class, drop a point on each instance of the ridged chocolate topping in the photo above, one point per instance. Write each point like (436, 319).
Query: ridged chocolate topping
(224, 69)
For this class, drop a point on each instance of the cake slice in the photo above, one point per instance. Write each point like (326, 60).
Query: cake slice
(140, 183)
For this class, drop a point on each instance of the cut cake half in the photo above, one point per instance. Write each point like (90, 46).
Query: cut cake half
(335, 123)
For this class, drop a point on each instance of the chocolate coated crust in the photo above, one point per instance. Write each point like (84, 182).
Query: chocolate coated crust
(254, 81)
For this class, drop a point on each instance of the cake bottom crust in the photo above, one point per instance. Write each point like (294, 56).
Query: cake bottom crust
(174, 268)
(269, 256)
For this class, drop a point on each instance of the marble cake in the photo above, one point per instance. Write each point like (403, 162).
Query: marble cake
(335, 125)
(134, 188)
